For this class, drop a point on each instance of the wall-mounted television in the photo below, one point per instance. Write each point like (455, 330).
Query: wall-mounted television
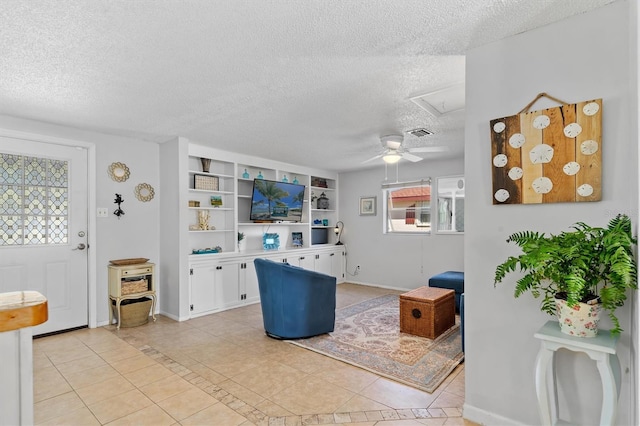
(274, 201)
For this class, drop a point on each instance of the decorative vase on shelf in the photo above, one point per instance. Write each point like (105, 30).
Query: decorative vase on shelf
(295, 180)
(284, 178)
(206, 163)
(203, 220)
(245, 175)
(260, 175)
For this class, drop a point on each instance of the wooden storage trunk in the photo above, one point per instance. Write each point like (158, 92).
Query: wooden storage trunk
(427, 311)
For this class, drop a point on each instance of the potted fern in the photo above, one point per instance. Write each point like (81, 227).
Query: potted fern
(241, 242)
(577, 273)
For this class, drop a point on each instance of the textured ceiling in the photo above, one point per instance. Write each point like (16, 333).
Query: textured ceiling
(312, 82)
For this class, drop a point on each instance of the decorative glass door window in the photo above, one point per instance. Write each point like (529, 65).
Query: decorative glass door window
(34, 200)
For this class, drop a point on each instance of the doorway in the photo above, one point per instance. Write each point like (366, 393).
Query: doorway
(44, 229)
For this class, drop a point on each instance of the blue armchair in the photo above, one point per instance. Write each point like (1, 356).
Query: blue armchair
(296, 302)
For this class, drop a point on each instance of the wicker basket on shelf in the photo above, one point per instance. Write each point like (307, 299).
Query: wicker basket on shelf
(132, 287)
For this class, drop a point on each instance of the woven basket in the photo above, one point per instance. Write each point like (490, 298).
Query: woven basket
(134, 312)
(131, 287)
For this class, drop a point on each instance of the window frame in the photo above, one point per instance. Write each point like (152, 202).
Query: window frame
(387, 224)
(459, 195)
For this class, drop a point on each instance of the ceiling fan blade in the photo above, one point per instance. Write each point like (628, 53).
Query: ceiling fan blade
(430, 149)
(372, 158)
(411, 157)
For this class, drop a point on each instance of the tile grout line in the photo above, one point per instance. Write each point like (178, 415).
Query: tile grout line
(73, 388)
(258, 417)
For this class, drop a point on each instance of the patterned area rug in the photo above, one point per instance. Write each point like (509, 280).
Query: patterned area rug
(368, 336)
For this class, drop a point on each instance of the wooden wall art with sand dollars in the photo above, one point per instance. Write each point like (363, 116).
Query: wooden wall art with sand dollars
(552, 155)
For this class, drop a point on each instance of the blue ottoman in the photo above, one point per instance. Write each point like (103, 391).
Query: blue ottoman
(453, 280)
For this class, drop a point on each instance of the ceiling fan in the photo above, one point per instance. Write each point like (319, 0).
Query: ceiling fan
(394, 151)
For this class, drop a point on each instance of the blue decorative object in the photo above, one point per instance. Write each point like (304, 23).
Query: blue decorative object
(317, 222)
(260, 175)
(245, 175)
(207, 250)
(295, 180)
(296, 302)
(270, 241)
(284, 178)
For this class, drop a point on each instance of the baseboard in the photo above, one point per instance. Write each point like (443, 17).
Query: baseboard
(375, 285)
(173, 317)
(484, 417)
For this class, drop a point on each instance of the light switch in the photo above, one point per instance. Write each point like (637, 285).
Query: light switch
(103, 212)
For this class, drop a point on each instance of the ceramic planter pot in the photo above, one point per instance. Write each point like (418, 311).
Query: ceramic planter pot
(580, 320)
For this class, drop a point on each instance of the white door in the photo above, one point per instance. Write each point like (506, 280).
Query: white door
(43, 227)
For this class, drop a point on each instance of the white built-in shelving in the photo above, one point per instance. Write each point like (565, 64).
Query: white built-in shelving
(194, 284)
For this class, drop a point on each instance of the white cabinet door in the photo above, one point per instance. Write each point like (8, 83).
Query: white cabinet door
(291, 260)
(249, 282)
(202, 284)
(323, 263)
(227, 288)
(306, 261)
(336, 266)
(330, 263)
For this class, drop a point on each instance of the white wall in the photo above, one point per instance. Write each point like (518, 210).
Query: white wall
(136, 233)
(588, 56)
(174, 284)
(396, 261)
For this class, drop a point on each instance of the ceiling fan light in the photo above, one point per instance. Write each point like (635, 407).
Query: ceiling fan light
(391, 158)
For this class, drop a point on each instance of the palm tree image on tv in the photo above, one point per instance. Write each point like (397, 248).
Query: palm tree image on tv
(272, 201)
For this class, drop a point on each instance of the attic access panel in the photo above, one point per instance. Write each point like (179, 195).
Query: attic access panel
(548, 156)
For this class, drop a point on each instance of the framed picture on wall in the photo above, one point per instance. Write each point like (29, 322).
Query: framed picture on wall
(296, 239)
(270, 241)
(368, 206)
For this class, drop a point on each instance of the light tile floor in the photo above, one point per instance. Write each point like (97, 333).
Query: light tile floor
(222, 369)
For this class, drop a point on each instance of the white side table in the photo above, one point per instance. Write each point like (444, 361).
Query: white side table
(601, 349)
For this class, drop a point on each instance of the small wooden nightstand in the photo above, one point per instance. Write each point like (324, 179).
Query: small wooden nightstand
(131, 282)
